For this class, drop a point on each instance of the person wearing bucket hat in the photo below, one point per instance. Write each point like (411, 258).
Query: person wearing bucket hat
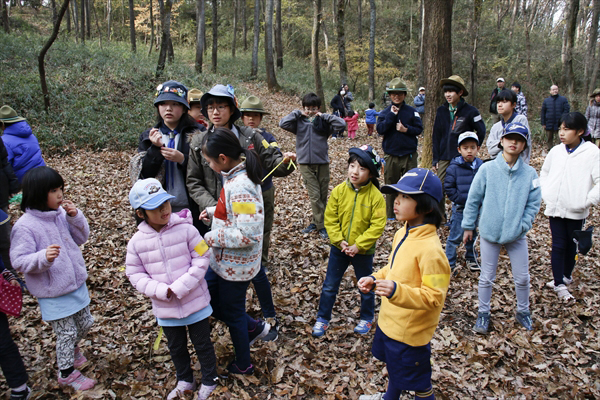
(22, 146)
(592, 113)
(353, 233)
(413, 286)
(193, 98)
(400, 125)
(504, 199)
(452, 118)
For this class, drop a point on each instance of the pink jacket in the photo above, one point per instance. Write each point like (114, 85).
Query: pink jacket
(158, 261)
(352, 122)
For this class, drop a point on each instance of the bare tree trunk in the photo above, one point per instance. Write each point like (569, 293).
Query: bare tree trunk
(108, 18)
(326, 40)
(372, 24)
(244, 24)
(410, 29)
(278, 34)
(215, 34)
(42, 55)
(75, 20)
(359, 2)
(235, 27)
(315, 52)
(68, 19)
(341, 38)
(200, 33)
(97, 23)
(421, 65)
(132, 26)
(165, 16)
(529, 14)
(590, 54)
(567, 49)
(5, 21)
(438, 64)
(269, 61)
(474, 29)
(88, 19)
(53, 6)
(151, 28)
(82, 21)
(513, 17)
(254, 70)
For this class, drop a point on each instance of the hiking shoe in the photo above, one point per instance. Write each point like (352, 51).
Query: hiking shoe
(181, 388)
(376, 396)
(323, 233)
(483, 323)
(260, 331)
(563, 293)
(77, 381)
(273, 333)
(22, 395)
(566, 281)
(234, 369)
(473, 265)
(320, 327)
(524, 318)
(79, 358)
(363, 327)
(309, 229)
(205, 391)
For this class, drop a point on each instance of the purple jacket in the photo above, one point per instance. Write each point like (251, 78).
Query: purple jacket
(158, 261)
(32, 234)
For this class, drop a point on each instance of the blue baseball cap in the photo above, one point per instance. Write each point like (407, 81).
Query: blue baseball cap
(515, 128)
(417, 181)
(148, 194)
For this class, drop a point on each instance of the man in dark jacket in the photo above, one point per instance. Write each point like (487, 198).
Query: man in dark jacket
(493, 101)
(553, 108)
(400, 125)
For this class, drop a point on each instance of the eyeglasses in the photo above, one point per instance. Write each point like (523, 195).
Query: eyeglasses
(220, 108)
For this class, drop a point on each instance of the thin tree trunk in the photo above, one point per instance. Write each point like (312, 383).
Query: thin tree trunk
(123, 11)
(109, 18)
(269, 61)
(215, 34)
(477, 6)
(97, 23)
(76, 20)
(88, 19)
(421, 65)
(359, 2)
(513, 17)
(132, 26)
(341, 38)
(372, 25)
(53, 6)
(42, 55)
(529, 14)
(5, 21)
(278, 34)
(68, 20)
(314, 47)
(567, 49)
(326, 40)
(590, 54)
(151, 28)
(235, 27)
(82, 21)
(200, 32)
(410, 29)
(165, 16)
(438, 64)
(244, 24)
(254, 69)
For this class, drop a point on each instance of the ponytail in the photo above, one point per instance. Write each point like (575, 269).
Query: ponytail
(254, 168)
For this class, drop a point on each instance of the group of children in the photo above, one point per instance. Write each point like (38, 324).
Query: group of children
(192, 176)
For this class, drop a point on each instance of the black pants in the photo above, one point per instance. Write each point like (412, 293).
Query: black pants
(563, 247)
(200, 337)
(10, 358)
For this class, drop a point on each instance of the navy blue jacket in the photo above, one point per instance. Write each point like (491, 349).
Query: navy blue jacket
(446, 131)
(553, 108)
(459, 176)
(398, 143)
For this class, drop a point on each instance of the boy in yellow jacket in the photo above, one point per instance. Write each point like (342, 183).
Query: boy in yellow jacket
(412, 287)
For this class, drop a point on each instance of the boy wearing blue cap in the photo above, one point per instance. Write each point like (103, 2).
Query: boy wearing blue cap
(506, 196)
(413, 287)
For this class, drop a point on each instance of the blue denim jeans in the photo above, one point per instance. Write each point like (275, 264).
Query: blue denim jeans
(337, 266)
(455, 237)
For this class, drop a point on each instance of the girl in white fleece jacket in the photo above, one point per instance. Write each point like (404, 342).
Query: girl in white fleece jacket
(570, 180)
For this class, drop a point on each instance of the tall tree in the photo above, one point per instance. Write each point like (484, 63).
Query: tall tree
(132, 26)
(151, 28)
(82, 21)
(68, 20)
(438, 64)
(215, 34)
(244, 24)
(53, 6)
(326, 41)
(341, 38)
(254, 69)
(515, 10)
(359, 3)
(269, 61)
(314, 50)
(200, 34)
(75, 19)
(567, 48)
(421, 63)
(5, 21)
(108, 18)
(530, 9)
(590, 54)
(235, 27)
(165, 41)
(88, 18)
(372, 24)
(278, 34)
(474, 29)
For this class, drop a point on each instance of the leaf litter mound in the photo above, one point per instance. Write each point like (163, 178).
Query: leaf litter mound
(559, 359)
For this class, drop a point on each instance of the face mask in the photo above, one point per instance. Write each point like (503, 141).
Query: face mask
(342, 92)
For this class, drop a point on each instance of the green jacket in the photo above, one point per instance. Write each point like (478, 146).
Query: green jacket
(204, 185)
(356, 216)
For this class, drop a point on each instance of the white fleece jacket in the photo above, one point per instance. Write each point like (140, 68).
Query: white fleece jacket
(571, 182)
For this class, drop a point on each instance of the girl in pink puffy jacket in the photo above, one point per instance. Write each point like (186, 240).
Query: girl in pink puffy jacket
(167, 260)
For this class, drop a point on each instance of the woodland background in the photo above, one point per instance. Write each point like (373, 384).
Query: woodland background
(99, 98)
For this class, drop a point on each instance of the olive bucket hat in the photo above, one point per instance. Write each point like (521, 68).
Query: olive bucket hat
(594, 93)
(9, 116)
(194, 96)
(253, 104)
(396, 85)
(456, 81)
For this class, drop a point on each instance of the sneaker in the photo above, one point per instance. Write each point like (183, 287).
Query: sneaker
(261, 330)
(79, 358)
(234, 369)
(524, 318)
(309, 229)
(483, 323)
(323, 233)
(22, 395)
(566, 281)
(320, 327)
(473, 265)
(363, 327)
(273, 332)
(563, 293)
(205, 391)
(376, 396)
(181, 388)
(77, 381)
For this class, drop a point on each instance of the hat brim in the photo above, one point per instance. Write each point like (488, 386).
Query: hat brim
(447, 81)
(156, 201)
(390, 90)
(237, 114)
(365, 157)
(399, 188)
(256, 110)
(594, 94)
(171, 97)
(12, 120)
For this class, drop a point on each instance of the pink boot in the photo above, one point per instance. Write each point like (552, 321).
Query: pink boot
(77, 381)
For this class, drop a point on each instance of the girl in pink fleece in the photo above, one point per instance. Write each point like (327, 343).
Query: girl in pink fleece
(352, 122)
(167, 260)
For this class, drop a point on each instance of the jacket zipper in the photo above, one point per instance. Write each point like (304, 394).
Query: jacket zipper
(168, 270)
(352, 215)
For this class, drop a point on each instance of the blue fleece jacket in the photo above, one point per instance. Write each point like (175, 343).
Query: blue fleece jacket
(23, 148)
(398, 143)
(459, 176)
(371, 116)
(506, 199)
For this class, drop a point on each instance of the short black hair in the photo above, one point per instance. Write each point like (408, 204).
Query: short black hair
(311, 100)
(517, 85)
(36, 184)
(371, 105)
(354, 157)
(426, 206)
(507, 95)
(574, 120)
(451, 88)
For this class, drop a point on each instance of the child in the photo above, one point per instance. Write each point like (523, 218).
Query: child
(459, 177)
(194, 98)
(312, 128)
(353, 232)
(371, 115)
(521, 107)
(570, 180)
(45, 247)
(352, 122)
(505, 104)
(413, 287)
(235, 240)
(166, 262)
(21, 144)
(592, 113)
(506, 197)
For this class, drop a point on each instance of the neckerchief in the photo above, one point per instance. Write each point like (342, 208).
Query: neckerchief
(170, 166)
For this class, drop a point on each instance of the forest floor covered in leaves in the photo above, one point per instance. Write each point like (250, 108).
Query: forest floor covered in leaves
(559, 359)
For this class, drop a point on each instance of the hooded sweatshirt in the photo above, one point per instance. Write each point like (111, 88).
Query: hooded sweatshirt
(23, 148)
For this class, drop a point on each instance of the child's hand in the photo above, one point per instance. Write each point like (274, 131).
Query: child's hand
(384, 287)
(155, 137)
(204, 216)
(172, 155)
(468, 236)
(351, 250)
(304, 114)
(52, 252)
(69, 207)
(169, 293)
(289, 156)
(365, 284)
(343, 245)
(395, 109)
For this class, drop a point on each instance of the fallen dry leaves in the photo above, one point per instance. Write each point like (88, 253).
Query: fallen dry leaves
(559, 359)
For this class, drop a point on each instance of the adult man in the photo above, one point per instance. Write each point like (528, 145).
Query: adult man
(521, 107)
(553, 108)
(493, 106)
(420, 101)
